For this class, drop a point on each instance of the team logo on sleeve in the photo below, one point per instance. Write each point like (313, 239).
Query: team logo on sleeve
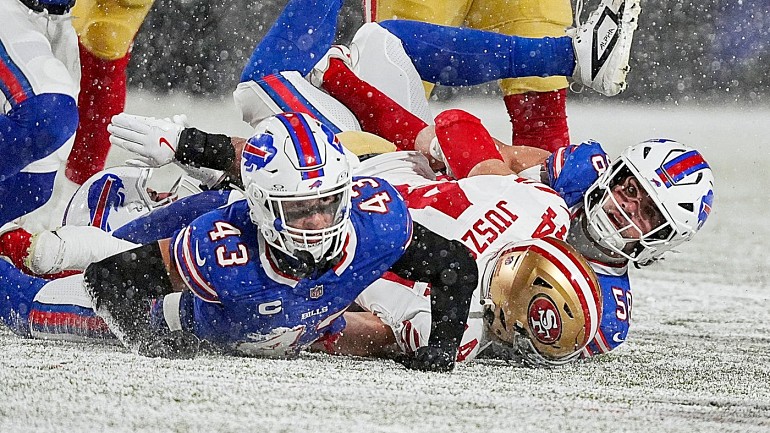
(104, 196)
(544, 320)
(258, 152)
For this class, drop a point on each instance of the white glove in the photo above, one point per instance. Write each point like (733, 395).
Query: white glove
(154, 141)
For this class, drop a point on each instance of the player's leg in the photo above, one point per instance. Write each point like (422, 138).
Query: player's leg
(23, 192)
(56, 309)
(299, 37)
(106, 29)
(376, 112)
(443, 12)
(462, 56)
(37, 92)
(536, 106)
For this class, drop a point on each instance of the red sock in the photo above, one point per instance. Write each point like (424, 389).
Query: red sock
(464, 141)
(376, 112)
(539, 119)
(102, 95)
(15, 246)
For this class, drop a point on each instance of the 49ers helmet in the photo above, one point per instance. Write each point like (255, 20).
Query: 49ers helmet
(547, 304)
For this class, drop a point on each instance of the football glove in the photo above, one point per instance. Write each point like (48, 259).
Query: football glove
(153, 141)
(429, 358)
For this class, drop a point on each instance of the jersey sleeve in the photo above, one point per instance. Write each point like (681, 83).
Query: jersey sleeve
(572, 169)
(616, 314)
(194, 250)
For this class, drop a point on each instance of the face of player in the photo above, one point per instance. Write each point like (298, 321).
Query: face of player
(312, 214)
(632, 209)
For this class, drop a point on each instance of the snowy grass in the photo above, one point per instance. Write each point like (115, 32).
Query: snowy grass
(697, 359)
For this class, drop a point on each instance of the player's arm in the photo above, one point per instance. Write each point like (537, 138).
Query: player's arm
(450, 269)
(122, 287)
(364, 335)
(158, 142)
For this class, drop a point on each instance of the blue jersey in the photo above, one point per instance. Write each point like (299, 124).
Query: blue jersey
(571, 171)
(244, 302)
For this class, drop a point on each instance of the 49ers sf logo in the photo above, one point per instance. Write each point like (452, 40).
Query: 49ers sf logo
(544, 320)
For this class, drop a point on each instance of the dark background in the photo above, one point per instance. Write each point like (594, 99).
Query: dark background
(716, 51)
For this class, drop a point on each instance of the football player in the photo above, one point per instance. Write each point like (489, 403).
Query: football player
(39, 82)
(536, 105)
(271, 274)
(506, 221)
(106, 29)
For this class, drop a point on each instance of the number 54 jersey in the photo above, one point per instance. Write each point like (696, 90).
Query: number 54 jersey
(242, 300)
(484, 213)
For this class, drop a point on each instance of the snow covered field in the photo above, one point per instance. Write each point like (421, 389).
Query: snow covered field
(697, 358)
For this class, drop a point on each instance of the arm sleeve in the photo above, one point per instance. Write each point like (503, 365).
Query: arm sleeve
(450, 269)
(122, 286)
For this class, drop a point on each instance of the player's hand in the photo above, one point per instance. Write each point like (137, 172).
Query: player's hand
(429, 358)
(154, 141)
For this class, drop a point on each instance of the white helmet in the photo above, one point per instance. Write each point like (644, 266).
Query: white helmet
(679, 182)
(293, 167)
(116, 196)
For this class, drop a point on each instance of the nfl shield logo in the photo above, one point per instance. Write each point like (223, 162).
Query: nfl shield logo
(317, 291)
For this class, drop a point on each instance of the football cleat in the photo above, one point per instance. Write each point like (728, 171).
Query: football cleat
(603, 45)
(341, 52)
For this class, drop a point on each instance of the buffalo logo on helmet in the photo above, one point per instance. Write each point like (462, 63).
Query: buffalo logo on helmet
(104, 195)
(705, 207)
(544, 320)
(258, 152)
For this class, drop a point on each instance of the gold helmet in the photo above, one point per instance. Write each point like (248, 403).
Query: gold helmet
(546, 299)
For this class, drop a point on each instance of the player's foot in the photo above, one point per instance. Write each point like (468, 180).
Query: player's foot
(603, 45)
(341, 52)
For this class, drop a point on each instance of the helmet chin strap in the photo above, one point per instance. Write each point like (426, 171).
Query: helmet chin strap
(306, 263)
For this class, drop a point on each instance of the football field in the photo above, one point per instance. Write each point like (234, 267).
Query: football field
(697, 357)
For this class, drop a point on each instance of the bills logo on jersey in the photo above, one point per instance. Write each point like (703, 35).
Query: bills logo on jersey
(705, 208)
(544, 320)
(678, 168)
(258, 152)
(104, 196)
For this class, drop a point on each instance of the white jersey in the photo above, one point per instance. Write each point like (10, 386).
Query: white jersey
(485, 213)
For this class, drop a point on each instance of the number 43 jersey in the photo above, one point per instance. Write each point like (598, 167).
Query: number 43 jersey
(244, 302)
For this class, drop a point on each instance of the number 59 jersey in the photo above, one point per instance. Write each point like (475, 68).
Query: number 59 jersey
(244, 302)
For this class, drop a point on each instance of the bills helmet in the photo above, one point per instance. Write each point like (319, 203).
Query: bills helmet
(677, 179)
(546, 304)
(294, 167)
(116, 196)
